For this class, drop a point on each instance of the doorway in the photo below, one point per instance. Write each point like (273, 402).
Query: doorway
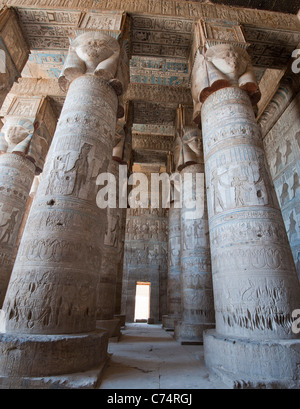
(142, 302)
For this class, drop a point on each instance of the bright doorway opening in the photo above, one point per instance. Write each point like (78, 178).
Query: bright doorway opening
(142, 302)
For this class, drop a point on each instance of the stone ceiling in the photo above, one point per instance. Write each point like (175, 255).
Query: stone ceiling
(283, 6)
(160, 50)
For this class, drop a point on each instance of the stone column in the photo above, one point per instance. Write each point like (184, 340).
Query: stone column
(123, 154)
(256, 288)
(174, 270)
(197, 309)
(281, 118)
(289, 87)
(113, 244)
(50, 306)
(24, 143)
(14, 51)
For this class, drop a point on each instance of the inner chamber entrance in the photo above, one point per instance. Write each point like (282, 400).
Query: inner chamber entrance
(142, 302)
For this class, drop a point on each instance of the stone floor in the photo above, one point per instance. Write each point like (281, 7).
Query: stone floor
(147, 357)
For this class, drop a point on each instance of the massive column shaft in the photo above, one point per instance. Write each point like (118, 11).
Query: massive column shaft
(174, 270)
(255, 284)
(197, 312)
(24, 143)
(113, 242)
(50, 306)
(281, 117)
(14, 51)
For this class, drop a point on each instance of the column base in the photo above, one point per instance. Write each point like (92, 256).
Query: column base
(190, 334)
(40, 356)
(112, 327)
(168, 322)
(122, 319)
(253, 364)
(82, 380)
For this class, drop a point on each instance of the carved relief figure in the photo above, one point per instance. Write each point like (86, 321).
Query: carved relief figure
(278, 160)
(7, 228)
(56, 174)
(288, 151)
(112, 232)
(81, 168)
(264, 179)
(292, 228)
(298, 265)
(296, 184)
(297, 137)
(284, 197)
(240, 190)
(217, 197)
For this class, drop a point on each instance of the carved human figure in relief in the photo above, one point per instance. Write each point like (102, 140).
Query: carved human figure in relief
(96, 54)
(80, 168)
(264, 181)
(7, 229)
(292, 227)
(217, 197)
(296, 184)
(284, 197)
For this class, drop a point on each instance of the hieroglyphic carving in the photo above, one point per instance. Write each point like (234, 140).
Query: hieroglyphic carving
(154, 93)
(14, 51)
(241, 203)
(159, 71)
(152, 142)
(283, 157)
(196, 279)
(65, 213)
(155, 36)
(270, 48)
(146, 256)
(48, 29)
(182, 9)
(24, 143)
(147, 113)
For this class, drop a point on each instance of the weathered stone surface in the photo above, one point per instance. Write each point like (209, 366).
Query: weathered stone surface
(145, 258)
(16, 178)
(24, 142)
(14, 51)
(174, 269)
(196, 281)
(251, 257)
(60, 248)
(283, 156)
(42, 355)
(253, 364)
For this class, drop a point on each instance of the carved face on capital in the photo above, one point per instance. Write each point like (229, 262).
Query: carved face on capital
(94, 51)
(229, 61)
(15, 134)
